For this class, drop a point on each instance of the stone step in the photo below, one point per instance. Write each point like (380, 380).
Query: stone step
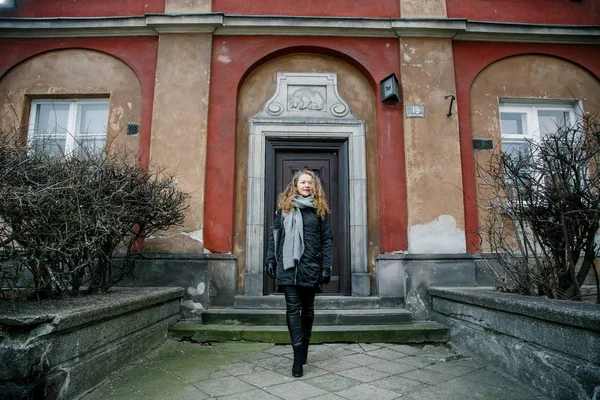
(322, 302)
(231, 316)
(415, 332)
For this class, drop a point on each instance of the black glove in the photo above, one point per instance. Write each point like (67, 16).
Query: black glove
(270, 268)
(325, 276)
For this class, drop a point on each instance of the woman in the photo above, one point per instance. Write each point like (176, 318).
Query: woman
(301, 263)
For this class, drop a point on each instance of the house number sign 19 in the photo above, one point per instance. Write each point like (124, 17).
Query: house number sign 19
(415, 112)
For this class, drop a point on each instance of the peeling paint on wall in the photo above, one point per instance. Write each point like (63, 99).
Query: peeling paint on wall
(116, 115)
(439, 236)
(197, 290)
(224, 59)
(192, 307)
(196, 235)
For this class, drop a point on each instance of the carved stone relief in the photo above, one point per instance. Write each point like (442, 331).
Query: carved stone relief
(306, 98)
(307, 95)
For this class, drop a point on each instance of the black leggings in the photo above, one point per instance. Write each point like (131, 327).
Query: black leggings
(300, 312)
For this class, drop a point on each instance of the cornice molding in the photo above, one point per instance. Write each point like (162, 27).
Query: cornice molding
(222, 24)
(533, 33)
(74, 27)
(306, 26)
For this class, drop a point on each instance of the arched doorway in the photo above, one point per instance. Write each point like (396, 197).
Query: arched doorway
(307, 124)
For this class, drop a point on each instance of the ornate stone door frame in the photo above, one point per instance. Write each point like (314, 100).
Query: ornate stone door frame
(306, 106)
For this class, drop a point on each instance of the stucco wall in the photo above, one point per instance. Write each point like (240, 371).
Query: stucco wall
(179, 131)
(233, 58)
(524, 77)
(258, 88)
(433, 169)
(74, 73)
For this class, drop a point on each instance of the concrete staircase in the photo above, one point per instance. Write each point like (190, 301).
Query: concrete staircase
(337, 319)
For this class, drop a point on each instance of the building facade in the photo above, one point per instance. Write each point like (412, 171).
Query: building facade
(234, 96)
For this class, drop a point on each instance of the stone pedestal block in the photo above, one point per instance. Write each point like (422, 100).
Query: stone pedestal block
(390, 279)
(253, 285)
(361, 284)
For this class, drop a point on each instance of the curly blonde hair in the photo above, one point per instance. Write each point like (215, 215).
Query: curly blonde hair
(287, 196)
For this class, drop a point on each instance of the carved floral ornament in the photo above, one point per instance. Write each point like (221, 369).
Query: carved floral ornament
(310, 95)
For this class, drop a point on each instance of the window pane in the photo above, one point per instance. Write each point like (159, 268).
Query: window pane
(514, 149)
(92, 120)
(50, 130)
(513, 123)
(50, 145)
(90, 146)
(551, 120)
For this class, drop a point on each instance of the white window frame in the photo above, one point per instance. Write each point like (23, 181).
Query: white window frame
(72, 122)
(530, 109)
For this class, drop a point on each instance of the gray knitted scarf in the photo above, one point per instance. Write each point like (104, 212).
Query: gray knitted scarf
(293, 245)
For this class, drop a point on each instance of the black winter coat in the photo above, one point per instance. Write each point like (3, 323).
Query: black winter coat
(318, 249)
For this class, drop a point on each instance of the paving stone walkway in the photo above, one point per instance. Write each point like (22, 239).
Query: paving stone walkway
(262, 371)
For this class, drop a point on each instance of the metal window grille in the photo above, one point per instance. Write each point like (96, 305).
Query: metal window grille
(133, 129)
(483, 144)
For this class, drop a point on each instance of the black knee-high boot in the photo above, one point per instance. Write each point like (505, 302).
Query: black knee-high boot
(297, 371)
(294, 323)
(307, 324)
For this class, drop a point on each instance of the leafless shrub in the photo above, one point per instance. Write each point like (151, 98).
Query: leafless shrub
(543, 212)
(63, 219)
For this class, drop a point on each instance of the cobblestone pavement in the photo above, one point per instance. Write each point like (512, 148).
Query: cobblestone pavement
(262, 371)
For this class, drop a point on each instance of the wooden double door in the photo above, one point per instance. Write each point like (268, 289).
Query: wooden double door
(329, 161)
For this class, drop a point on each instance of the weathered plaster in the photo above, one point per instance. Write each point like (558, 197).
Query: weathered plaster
(433, 169)
(438, 236)
(187, 6)
(74, 73)
(423, 8)
(193, 304)
(179, 129)
(524, 77)
(257, 89)
(174, 242)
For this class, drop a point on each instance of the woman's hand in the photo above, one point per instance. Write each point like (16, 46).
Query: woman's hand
(270, 268)
(325, 277)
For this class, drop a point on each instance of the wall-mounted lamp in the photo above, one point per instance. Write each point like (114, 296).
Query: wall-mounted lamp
(7, 4)
(390, 94)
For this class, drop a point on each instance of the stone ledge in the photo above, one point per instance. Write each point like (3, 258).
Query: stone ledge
(553, 345)
(577, 314)
(71, 312)
(58, 349)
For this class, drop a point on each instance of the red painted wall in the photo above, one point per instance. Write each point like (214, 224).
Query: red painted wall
(338, 8)
(586, 12)
(232, 59)
(140, 53)
(83, 8)
(470, 58)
